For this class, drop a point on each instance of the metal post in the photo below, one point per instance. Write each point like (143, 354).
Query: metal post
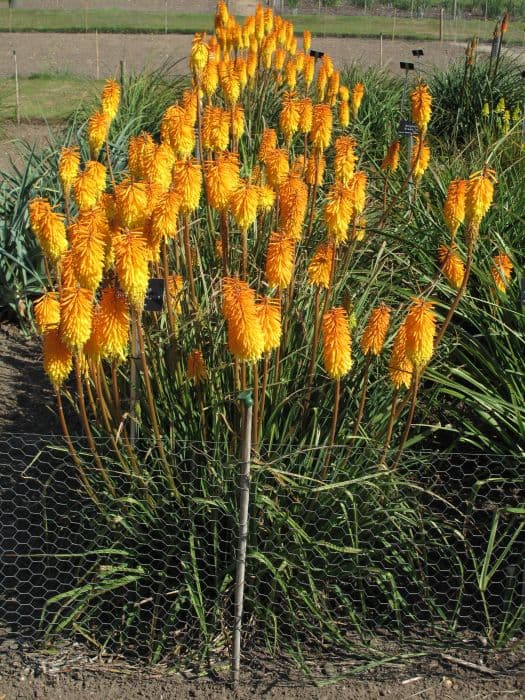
(441, 23)
(17, 90)
(244, 502)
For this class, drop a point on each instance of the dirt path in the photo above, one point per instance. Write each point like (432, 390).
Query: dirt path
(76, 53)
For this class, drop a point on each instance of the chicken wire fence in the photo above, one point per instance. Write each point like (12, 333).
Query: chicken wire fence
(377, 563)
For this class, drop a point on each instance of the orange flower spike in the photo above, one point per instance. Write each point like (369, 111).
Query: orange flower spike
(374, 335)
(277, 167)
(210, 78)
(333, 88)
(357, 185)
(420, 331)
(345, 158)
(164, 218)
(89, 247)
(175, 290)
(279, 58)
(280, 259)
(479, 195)
(76, 313)
(268, 143)
(141, 150)
(98, 127)
(131, 203)
(189, 102)
(196, 367)
(421, 100)
(400, 367)
(215, 129)
(237, 122)
(48, 227)
(501, 271)
(299, 62)
(222, 179)
(321, 84)
(222, 15)
(357, 97)
(306, 113)
(452, 265)
(68, 167)
(131, 265)
(244, 201)
(321, 133)
(269, 313)
(199, 54)
(245, 335)
(391, 160)
(337, 343)
(114, 318)
(187, 182)
(454, 208)
(58, 361)
(338, 211)
(110, 99)
(320, 267)
(177, 132)
(308, 71)
(420, 158)
(160, 165)
(289, 116)
(291, 74)
(344, 113)
(315, 168)
(47, 312)
(293, 202)
(307, 41)
(268, 19)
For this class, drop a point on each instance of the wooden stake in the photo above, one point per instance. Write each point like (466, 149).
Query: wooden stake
(17, 89)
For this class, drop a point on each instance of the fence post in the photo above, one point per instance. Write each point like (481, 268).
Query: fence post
(122, 75)
(17, 89)
(244, 502)
(441, 23)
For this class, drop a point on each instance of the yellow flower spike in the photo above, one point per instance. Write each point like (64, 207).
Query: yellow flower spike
(237, 122)
(215, 129)
(222, 16)
(279, 58)
(268, 20)
(321, 84)
(244, 201)
(131, 265)
(266, 198)
(420, 326)
(68, 166)
(277, 167)
(280, 258)
(268, 47)
(251, 66)
(344, 113)
(452, 265)
(164, 219)
(245, 335)
(76, 314)
(259, 22)
(308, 70)
(374, 335)
(344, 93)
(293, 201)
(210, 78)
(321, 133)
(160, 165)
(187, 182)
(357, 186)
(299, 62)
(420, 157)
(357, 98)
(315, 168)
(199, 53)
(177, 132)
(189, 102)
(501, 271)
(391, 160)
(89, 185)
(222, 179)
(306, 114)
(345, 158)
(98, 127)
(89, 247)
(421, 100)
(48, 227)
(47, 312)
(291, 73)
(360, 229)
(92, 349)
(268, 143)
(321, 264)
(141, 150)
(67, 270)
(114, 320)
(337, 343)
(196, 367)
(58, 361)
(307, 41)
(241, 71)
(454, 207)
(400, 367)
(479, 195)
(110, 98)
(269, 313)
(289, 116)
(131, 204)
(333, 88)
(338, 211)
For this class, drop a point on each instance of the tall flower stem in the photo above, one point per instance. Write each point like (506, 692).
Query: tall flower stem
(169, 301)
(460, 293)
(244, 261)
(152, 411)
(225, 242)
(390, 426)
(317, 156)
(315, 340)
(255, 421)
(87, 429)
(263, 392)
(110, 168)
(189, 262)
(410, 418)
(72, 451)
(333, 429)
(363, 395)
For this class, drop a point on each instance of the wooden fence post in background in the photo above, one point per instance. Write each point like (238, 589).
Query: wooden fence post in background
(441, 23)
(17, 90)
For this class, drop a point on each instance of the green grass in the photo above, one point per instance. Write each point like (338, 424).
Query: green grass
(47, 97)
(114, 20)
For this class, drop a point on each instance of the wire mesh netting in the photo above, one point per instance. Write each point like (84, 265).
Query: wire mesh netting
(427, 554)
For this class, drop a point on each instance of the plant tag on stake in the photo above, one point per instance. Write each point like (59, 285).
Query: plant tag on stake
(316, 54)
(406, 128)
(154, 300)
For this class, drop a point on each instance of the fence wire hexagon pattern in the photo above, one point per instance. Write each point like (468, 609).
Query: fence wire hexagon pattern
(429, 553)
